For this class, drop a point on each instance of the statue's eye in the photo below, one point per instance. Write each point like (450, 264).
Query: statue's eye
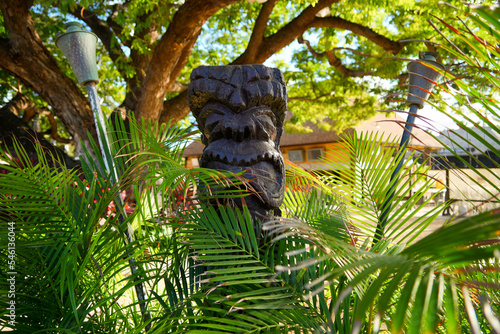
(212, 120)
(267, 116)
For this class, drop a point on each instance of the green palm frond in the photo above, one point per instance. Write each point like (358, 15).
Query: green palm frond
(410, 288)
(67, 249)
(231, 278)
(357, 182)
(476, 109)
(319, 209)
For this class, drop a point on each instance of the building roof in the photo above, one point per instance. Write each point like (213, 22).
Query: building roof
(390, 127)
(461, 142)
(193, 149)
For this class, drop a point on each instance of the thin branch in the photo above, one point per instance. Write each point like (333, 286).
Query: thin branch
(402, 79)
(335, 61)
(364, 54)
(316, 54)
(387, 44)
(283, 37)
(259, 28)
(14, 88)
(53, 126)
(111, 20)
(301, 98)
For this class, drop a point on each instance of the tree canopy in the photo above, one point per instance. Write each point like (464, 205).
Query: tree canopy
(339, 57)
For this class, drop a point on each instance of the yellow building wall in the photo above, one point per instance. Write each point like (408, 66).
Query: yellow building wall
(334, 154)
(190, 162)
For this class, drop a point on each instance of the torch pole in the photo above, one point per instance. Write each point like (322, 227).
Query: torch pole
(403, 145)
(423, 76)
(79, 47)
(105, 147)
(100, 127)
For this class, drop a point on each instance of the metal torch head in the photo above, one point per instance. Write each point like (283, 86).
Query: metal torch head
(79, 47)
(423, 77)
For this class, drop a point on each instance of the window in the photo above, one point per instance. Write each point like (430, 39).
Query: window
(296, 155)
(195, 162)
(315, 154)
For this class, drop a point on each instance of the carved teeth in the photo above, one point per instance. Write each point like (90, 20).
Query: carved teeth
(219, 154)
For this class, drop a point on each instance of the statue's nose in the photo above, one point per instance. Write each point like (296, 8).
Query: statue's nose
(239, 128)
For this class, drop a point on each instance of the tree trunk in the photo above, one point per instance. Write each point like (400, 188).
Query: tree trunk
(24, 56)
(172, 53)
(12, 126)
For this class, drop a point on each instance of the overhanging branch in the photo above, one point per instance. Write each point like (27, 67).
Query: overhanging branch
(11, 126)
(308, 99)
(259, 28)
(359, 29)
(268, 46)
(334, 61)
(111, 20)
(172, 52)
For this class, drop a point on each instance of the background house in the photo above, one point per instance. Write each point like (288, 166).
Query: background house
(308, 150)
(468, 192)
(471, 150)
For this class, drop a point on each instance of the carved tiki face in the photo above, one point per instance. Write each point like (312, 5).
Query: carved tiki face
(240, 111)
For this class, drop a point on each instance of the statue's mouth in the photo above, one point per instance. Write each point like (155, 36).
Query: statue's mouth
(261, 163)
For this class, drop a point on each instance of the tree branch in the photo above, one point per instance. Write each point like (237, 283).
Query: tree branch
(364, 54)
(22, 102)
(335, 61)
(259, 29)
(340, 23)
(302, 98)
(12, 126)
(111, 20)
(172, 52)
(257, 51)
(286, 35)
(178, 87)
(261, 48)
(175, 109)
(53, 125)
(24, 54)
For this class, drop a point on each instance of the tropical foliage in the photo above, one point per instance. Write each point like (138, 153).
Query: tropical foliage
(338, 57)
(183, 258)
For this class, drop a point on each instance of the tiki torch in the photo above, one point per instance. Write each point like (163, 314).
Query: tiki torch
(424, 74)
(79, 47)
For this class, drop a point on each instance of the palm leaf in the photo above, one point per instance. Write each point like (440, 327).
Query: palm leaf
(417, 276)
(359, 180)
